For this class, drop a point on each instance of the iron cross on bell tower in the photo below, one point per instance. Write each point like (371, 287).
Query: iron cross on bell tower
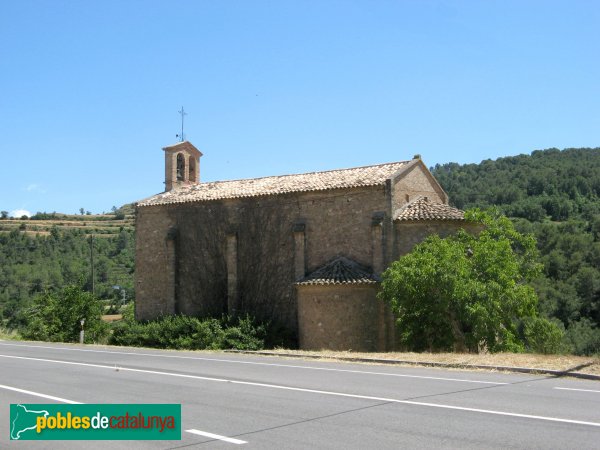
(183, 114)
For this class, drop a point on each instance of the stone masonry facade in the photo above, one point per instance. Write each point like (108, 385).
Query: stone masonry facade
(251, 246)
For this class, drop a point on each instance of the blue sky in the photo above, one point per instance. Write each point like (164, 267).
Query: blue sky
(89, 90)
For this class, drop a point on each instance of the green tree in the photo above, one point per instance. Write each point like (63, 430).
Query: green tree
(584, 337)
(554, 195)
(3, 214)
(56, 317)
(467, 291)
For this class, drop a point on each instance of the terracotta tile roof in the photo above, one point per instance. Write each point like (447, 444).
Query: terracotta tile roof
(424, 209)
(254, 187)
(340, 271)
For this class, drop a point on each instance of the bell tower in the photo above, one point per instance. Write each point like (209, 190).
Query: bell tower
(182, 165)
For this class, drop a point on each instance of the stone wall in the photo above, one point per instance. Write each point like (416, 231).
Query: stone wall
(415, 182)
(339, 317)
(409, 234)
(337, 222)
(153, 263)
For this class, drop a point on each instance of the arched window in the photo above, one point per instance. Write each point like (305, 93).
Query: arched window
(180, 167)
(192, 163)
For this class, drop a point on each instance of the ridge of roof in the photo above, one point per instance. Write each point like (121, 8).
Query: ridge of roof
(422, 208)
(278, 184)
(340, 270)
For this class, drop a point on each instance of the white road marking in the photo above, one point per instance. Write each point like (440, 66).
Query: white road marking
(216, 436)
(260, 364)
(37, 394)
(317, 391)
(572, 389)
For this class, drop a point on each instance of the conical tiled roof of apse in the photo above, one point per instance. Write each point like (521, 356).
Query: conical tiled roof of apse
(424, 209)
(341, 270)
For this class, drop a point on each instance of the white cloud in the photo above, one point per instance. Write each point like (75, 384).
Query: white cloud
(34, 187)
(20, 213)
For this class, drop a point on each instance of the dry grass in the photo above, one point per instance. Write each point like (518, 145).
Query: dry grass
(112, 317)
(553, 362)
(594, 369)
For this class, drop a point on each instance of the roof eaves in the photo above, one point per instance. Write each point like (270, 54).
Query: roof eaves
(326, 282)
(251, 195)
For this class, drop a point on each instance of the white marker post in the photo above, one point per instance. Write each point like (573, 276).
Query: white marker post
(81, 333)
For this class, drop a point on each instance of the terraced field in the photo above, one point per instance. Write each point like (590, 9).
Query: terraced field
(100, 225)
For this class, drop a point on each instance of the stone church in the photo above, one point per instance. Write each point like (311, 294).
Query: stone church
(304, 251)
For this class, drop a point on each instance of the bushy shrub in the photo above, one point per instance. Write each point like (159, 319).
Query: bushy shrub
(244, 334)
(56, 316)
(190, 333)
(126, 333)
(542, 335)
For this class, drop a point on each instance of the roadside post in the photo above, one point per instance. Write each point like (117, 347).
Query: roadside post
(82, 332)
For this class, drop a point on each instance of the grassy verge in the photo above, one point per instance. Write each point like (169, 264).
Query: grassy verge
(553, 362)
(9, 335)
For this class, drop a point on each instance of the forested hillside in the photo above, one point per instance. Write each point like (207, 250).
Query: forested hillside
(47, 252)
(555, 195)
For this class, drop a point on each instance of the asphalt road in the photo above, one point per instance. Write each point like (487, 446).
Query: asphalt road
(273, 403)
